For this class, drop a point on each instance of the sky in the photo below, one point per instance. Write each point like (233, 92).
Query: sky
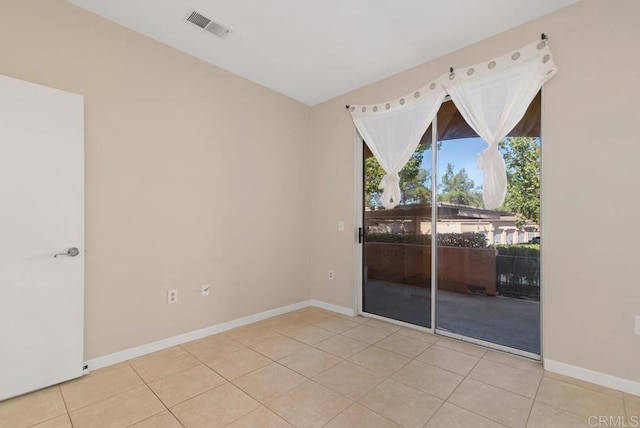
(461, 153)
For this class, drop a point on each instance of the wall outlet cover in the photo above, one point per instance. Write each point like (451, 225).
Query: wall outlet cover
(172, 297)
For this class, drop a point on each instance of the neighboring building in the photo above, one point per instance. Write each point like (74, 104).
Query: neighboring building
(498, 226)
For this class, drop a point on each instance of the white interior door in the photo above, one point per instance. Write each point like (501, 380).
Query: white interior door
(41, 214)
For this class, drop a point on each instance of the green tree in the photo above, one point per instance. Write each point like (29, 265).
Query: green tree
(373, 173)
(415, 183)
(416, 188)
(458, 188)
(522, 159)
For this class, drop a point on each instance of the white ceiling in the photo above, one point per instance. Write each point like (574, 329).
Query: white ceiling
(314, 50)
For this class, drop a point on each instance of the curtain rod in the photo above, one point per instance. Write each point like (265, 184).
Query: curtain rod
(543, 36)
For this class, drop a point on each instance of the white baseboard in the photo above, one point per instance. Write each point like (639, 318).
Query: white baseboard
(602, 379)
(333, 308)
(127, 354)
(138, 351)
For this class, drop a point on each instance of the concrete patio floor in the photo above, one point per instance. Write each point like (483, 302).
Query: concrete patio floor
(510, 322)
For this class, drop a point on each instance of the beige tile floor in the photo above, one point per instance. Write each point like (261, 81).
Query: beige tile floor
(313, 368)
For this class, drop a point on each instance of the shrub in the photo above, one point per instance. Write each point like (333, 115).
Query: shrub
(519, 250)
(520, 263)
(466, 240)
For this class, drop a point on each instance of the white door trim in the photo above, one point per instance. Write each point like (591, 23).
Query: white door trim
(358, 188)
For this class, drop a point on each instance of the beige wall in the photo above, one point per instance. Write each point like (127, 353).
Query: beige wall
(180, 159)
(590, 152)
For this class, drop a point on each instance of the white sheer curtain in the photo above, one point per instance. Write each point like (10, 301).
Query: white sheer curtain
(393, 130)
(493, 97)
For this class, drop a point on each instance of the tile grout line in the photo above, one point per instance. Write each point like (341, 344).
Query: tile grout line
(390, 377)
(353, 403)
(214, 370)
(446, 399)
(489, 384)
(506, 390)
(402, 383)
(102, 399)
(484, 357)
(269, 358)
(231, 381)
(65, 406)
(169, 375)
(227, 381)
(319, 373)
(571, 411)
(279, 415)
(57, 416)
(624, 407)
(534, 399)
(156, 395)
(477, 414)
(349, 398)
(445, 369)
(434, 413)
(152, 391)
(352, 362)
(426, 392)
(456, 388)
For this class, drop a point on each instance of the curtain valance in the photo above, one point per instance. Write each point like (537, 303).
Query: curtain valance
(491, 96)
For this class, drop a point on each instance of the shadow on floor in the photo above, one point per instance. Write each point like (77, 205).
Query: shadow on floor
(510, 322)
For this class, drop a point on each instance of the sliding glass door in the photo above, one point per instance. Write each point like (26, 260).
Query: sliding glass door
(487, 282)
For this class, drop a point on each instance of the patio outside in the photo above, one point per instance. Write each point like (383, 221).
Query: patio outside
(503, 320)
(486, 292)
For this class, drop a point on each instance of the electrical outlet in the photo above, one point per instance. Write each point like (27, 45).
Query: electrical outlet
(172, 297)
(204, 290)
(331, 274)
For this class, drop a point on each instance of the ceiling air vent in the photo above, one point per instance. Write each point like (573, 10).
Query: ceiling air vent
(208, 24)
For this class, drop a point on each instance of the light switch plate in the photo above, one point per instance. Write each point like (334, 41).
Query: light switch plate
(340, 226)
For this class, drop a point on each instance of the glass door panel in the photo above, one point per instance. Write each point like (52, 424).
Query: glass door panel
(488, 282)
(397, 242)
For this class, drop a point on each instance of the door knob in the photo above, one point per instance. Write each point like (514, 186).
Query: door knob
(71, 252)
